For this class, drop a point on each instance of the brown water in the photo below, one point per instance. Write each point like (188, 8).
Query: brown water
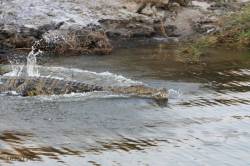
(206, 121)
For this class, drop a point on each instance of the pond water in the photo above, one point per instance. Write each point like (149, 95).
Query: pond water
(206, 121)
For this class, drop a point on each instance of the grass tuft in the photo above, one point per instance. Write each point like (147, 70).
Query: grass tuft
(234, 34)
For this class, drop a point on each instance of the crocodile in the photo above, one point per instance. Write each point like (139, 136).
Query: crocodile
(33, 86)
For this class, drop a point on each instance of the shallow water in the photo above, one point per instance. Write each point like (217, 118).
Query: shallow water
(206, 121)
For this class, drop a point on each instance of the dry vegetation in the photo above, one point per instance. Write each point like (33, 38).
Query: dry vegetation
(77, 43)
(234, 34)
(94, 42)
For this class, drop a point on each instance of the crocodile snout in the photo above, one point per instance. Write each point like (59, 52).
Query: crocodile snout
(161, 95)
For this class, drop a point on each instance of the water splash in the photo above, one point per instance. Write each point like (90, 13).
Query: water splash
(174, 93)
(32, 68)
(16, 70)
(18, 66)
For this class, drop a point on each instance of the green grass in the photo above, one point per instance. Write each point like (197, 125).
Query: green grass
(235, 34)
(191, 53)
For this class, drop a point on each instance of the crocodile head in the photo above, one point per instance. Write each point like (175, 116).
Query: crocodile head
(161, 97)
(161, 94)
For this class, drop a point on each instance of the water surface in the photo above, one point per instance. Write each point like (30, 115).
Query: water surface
(206, 121)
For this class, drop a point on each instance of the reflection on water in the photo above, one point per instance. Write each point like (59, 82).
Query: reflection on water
(205, 123)
(17, 150)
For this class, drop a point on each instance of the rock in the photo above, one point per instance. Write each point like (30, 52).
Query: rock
(127, 28)
(62, 42)
(147, 10)
(23, 36)
(206, 26)
(7, 31)
(207, 29)
(166, 30)
(149, 7)
(225, 6)
(47, 27)
(81, 24)
(174, 7)
(181, 2)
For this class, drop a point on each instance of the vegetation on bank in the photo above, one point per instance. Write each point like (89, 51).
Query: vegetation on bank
(235, 33)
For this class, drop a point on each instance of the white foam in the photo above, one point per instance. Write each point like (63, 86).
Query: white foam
(82, 96)
(16, 70)
(106, 74)
(32, 68)
(14, 93)
(53, 77)
(174, 93)
(74, 74)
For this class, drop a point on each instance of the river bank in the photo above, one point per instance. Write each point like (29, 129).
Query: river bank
(233, 34)
(79, 27)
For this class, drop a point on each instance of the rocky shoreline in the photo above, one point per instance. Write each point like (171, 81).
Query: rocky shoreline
(78, 27)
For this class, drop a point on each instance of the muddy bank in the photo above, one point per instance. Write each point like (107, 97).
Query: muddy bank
(79, 27)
